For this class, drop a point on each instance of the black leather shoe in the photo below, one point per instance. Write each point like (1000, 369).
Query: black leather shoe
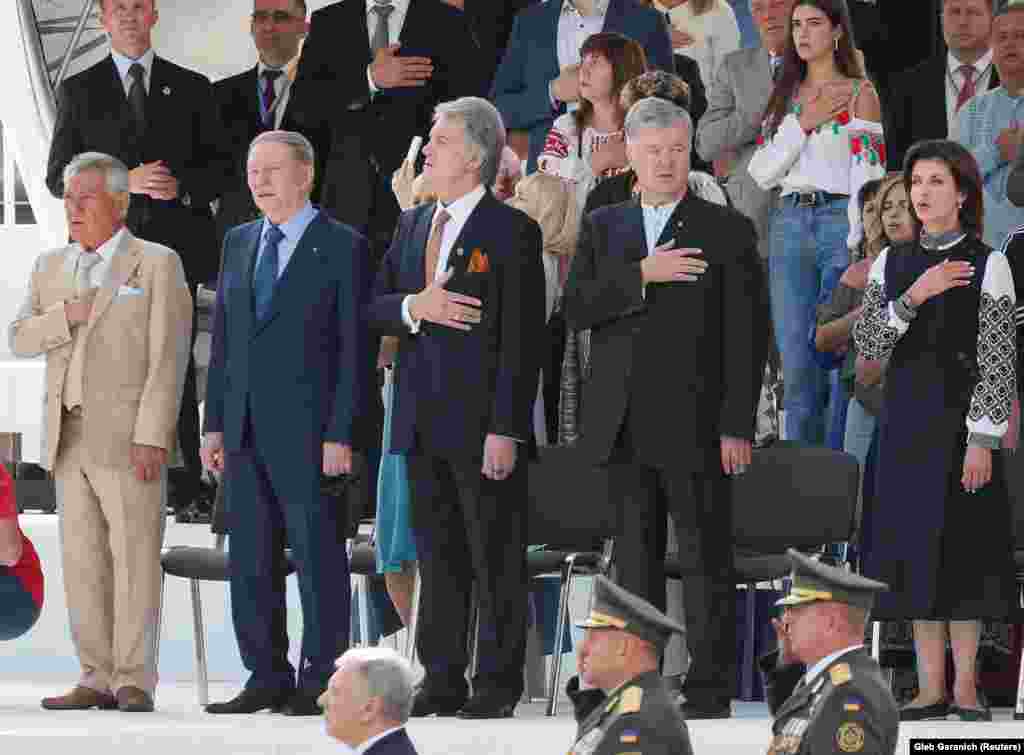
(970, 715)
(934, 712)
(428, 703)
(488, 705)
(697, 710)
(303, 704)
(253, 701)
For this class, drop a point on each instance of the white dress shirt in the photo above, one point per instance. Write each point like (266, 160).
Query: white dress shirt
(955, 81)
(655, 220)
(365, 746)
(573, 30)
(715, 34)
(123, 63)
(282, 90)
(825, 662)
(98, 273)
(395, 23)
(293, 229)
(458, 212)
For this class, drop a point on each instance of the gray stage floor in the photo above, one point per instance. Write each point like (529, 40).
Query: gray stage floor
(180, 727)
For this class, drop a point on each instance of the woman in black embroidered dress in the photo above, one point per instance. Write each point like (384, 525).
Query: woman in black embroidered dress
(942, 309)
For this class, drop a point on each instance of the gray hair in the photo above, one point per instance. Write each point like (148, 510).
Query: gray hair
(388, 676)
(115, 171)
(654, 112)
(302, 148)
(484, 130)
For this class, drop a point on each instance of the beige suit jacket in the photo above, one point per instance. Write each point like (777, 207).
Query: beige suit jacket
(136, 348)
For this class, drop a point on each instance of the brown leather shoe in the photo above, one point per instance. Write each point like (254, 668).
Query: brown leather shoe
(81, 698)
(134, 700)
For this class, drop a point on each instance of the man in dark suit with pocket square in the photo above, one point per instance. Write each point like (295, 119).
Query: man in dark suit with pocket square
(463, 287)
(672, 289)
(285, 388)
(158, 119)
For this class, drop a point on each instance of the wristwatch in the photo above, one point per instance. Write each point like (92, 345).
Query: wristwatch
(904, 308)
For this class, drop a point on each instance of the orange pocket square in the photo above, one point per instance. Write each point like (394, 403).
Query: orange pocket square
(478, 262)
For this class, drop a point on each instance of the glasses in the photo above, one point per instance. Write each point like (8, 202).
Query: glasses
(276, 17)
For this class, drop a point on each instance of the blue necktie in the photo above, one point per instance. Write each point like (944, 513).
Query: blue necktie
(266, 273)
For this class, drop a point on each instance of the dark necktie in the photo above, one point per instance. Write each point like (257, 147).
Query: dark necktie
(266, 273)
(269, 94)
(383, 9)
(137, 96)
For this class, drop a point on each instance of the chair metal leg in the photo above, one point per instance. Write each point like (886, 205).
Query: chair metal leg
(474, 630)
(202, 681)
(747, 676)
(568, 570)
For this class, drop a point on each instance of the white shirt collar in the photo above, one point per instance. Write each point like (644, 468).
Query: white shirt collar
(123, 62)
(374, 740)
(400, 6)
(460, 209)
(979, 66)
(663, 208)
(261, 67)
(107, 248)
(600, 7)
(825, 662)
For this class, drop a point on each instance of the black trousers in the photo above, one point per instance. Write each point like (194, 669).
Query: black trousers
(470, 528)
(185, 481)
(701, 510)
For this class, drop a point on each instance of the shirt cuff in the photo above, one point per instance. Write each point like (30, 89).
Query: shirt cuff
(983, 440)
(369, 80)
(509, 437)
(413, 325)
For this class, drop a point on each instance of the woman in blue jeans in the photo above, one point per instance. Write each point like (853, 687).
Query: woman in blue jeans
(821, 140)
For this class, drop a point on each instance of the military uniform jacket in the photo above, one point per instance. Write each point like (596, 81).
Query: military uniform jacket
(847, 708)
(638, 717)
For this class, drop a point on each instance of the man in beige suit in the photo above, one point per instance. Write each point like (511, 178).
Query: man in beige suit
(113, 315)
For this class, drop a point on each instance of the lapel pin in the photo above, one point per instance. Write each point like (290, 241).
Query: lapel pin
(459, 251)
(166, 91)
(679, 224)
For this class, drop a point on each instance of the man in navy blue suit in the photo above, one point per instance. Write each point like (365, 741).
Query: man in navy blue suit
(539, 75)
(463, 287)
(284, 387)
(368, 701)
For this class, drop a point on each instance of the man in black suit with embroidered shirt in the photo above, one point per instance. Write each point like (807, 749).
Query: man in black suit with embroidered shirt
(672, 289)
(157, 118)
(463, 287)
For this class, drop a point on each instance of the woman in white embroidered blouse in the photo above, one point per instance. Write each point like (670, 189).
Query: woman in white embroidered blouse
(705, 30)
(588, 144)
(821, 141)
(942, 310)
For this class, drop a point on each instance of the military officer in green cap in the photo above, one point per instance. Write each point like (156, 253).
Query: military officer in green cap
(628, 710)
(826, 692)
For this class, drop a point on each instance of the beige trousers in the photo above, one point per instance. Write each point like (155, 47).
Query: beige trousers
(111, 531)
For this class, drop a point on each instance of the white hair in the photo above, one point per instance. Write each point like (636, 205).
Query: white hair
(114, 171)
(302, 148)
(388, 676)
(484, 129)
(654, 112)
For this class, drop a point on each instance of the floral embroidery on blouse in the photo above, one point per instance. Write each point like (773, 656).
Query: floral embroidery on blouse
(867, 145)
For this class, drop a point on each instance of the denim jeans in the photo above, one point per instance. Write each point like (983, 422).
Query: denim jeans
(860, 426)
(807, 246)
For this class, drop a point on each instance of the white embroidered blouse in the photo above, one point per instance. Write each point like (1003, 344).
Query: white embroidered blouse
(838, 157)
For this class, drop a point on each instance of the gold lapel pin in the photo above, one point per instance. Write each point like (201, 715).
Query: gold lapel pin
(166, 91)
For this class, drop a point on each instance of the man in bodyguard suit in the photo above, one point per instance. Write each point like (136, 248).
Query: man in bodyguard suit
(923, 102)
(826, 692)
(157, 118)
(463, 286)
(284, 388)
(370, 74)
(255, 101)
(113, 314)
(737, 97)
(674, 293)
(539, 75)
(626, 702)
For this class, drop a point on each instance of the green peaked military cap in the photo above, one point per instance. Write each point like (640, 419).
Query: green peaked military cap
(617, 608)
(813, 581)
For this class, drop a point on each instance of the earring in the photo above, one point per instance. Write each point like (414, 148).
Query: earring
(960, 204)
(837, 44)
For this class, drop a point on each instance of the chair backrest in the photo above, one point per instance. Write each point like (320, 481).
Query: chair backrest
(794, 496)
(1013, 469)
(568, 500)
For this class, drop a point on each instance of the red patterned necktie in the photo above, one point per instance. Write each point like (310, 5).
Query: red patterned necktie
(967, 88)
